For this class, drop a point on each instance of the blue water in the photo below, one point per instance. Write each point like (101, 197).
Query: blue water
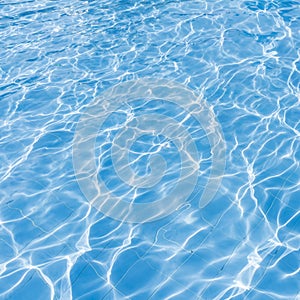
(158, 89)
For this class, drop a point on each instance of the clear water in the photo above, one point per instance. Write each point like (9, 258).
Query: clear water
(240, 60)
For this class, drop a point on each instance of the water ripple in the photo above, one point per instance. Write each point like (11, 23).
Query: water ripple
(241, 57)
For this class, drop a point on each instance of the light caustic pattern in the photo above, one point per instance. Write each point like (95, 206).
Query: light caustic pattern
(65, 67)
(154, 124)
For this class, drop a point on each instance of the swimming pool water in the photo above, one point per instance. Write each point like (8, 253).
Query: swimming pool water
(149, 149)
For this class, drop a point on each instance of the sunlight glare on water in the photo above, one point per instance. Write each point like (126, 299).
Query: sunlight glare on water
(149, 149)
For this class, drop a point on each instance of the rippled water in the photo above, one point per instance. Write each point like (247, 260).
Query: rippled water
(60, 235)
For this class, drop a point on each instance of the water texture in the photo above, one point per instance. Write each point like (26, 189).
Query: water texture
(149, 150)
